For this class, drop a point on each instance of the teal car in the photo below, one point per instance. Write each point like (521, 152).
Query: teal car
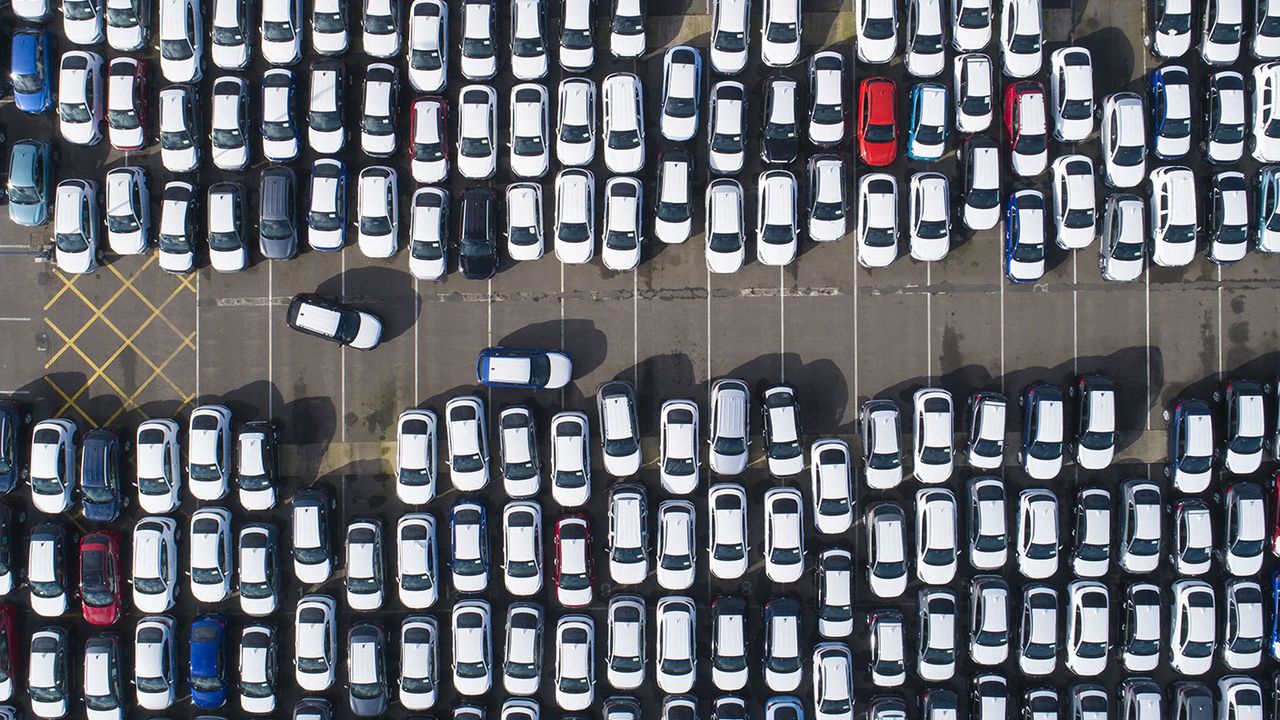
(30, 182)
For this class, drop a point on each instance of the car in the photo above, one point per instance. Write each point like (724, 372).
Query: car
(1264, 138)
(1192, 537)
(1170, 28)
(989, 620)
(726, 235)
(621, 707)
(312, 544)
(1243, 444)
(280, 32)
(181, 41)
(877, 122)
(877, 220)
(827, 103)
(1265, 41)
(325, 131)
(930, 212)
(524, 220)
(477, 246)
(378, 204)
(879, 424)
(937, 544)
(207, 668)
(1095, 420)
(1074, 203)
(575, 122)
(367, 689)
(1191, 700)
(52, 465)
(988, 530)
(428, 45)
(574, 562)
(925, 54)
(469, 546)
(676, 551)
(1021, 37)
(1122, 250)
(570, 459)
(280, 140)
(1240, 696)
(936, 652)
(379, 94)
(1192, 630)
(781, 659)
(1227, 215)
(1173, 216)
(730, 21)
(726, 136)
(419, 678)
(730, 426)
(101, 682)
(783, 534)
(155, 671)
(416, 449)
(727, 535)
(673, 220)
(676, 658)
(1043, 430)
(29, 183)
(835, 593)
(128, 24)
(986, 430)
(623, 227)
(1088, 632)
(277, 210)
(99, 591)
(780, 32)
(927, 131)
(832, 681)
(1123, 140)
(577, 51)
(625, 642)
(154, 557)
(932, 427)
(30, 56)
(1191, 446)
(970, 25)
(211, 560)
(574, 229)
(628, 541)
(1024, 236)
(1170, 88)
(780, 133)
(328, 21)
(622, 106)
(678, 451)
(974, 93)
(312, 314)
(230, 34)
(627, 31)
(258, 550)
(256, 667)
(76, 220)
(179, 210)
(885, 634)
(209, 461)
(523, 368)
(1071, 92)
(101, 491)
(980, 163)
(876, 31)
(681, 89)
(828, 202)
(521, 464)
(528, 40)
(522, 653)
(1038, 631)
(180, 129)
(1037, 534)
(575, 666)
(363, 552)
(1220, 31)
(1025, 125)
(831, 477)
(1242, 625)
(315, 638)
(228, 249)
(1140, 527)
(1140, 628)
(530, 155)
(1223, 104)
(1241, 552)
(522, 547)
(417, 568)
(1267, 233)
(886, 549)
(1091, 556)
(728, 643)
(777, 224)
(128, 111)
(381, 28)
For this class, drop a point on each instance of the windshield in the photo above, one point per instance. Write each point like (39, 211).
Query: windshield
(276, 31)
(974, 18)
(228, 138)
(1025, 44)
(74, 112)
(730, 41)
(425, 59)
(1030, 144)
(673, 212)
(122, 17)
(1077, 109)
(324, 120)
(624, 139)
(878, 28)
(878, 133)
(726, 143)
(576, 39)
(27, 83)
(379, 24)
(477, 47)
(781, 32)
(1030, 252)
(1045, 450)
(72, 243)
(123, 119)
(278, 130)
(477, 147)
(175, 50)
(328, 23)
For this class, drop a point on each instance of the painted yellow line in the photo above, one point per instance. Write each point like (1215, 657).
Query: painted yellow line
(98, 371)
(97, 310)
(131, 402)
(184, 283)
(69, 402)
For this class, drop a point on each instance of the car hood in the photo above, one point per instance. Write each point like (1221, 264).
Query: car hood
(561, 370)
(369, 333)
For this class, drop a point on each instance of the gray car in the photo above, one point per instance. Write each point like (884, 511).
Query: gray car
(366, 673)
(277, 215)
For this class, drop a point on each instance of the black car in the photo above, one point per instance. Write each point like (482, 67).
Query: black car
(13, 417)
(478, 249)
(367, 691)
(1191, 701)
(780, 138)
(100, 483)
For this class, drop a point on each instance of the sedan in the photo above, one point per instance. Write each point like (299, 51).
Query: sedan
(1124, 140)
(1021, 37)
(973, 93)
(877, 220)
(378, 224)
(726, 133)
(937, 536)
(783, 534)
(777, 221)
(681, 87)
(932, 428)
(831, 477)
(1025, 126)
(477, 132)
(1024, 236)
(623, 240)
(530, 152)
(622, 105)
(930, 215)
(1170, 112)
(926, 54)
(1074, 202)
(877, 124)
(726, 234)
(1071, 90)
(927, 129)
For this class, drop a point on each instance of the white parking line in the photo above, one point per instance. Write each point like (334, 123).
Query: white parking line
(270, 342)
(417, 315)
(342, 290)
(197, 336)
(782, 327)
(635, 329)
(1001, 281)
(856, 396)
(1219, 322)
(1146, 278)
(489, 312)
(15, 319)
(1075, 317)
(928, 314)
(562, 322)
(708, 331)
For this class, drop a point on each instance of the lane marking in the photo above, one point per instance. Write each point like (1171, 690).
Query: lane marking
(1075, 318)
(271, 368)
(417, 308)
(782, 326)
(1146, 280)
(197, 335)
(708, 331)
(928, 313)
(1220, 369)
(15, 319)
(635, 329)
(342, 365)
(561, 302)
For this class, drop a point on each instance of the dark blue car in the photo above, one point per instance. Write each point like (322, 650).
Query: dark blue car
(208, 667)
(29, 71)
(100, 476)
(1275, 614)
(13, 416)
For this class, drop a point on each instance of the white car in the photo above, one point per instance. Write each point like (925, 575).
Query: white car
(783, 535)
(1071, 93)
(782, 664)
(518, 441)
(1091, 557)
(730, 426)
(577, 52)
(622, 106)
(154, 572)
(877, 220)
(102, 682)
(1020, 37)
(730, 22)
(937, 536)
(575, 676)
(1074, 201)
(280, 137)
(522, 650)
(181, 41)
(1123, 246)
(777, 221)
(280, 31)
(1265, 113)
(1025, 223)
(831, 477)
(416, 455)
(575, 218)
(212, 562)
(1241, 553)
(1193, 627)
(479, 57)
(229, 123)
(877, 30)
(363, 581)
(628, 543)
(179, 129)
(126, 30)
(48, 555)
(826, 96)
(832, 681)
(1088, 640)
(428, 45)
(315, 642)
(727, 535)
(1192, 537)
(987, 412)
(1141, 628)
(378, 110)
(155, 670)
(930, 215)
(1043, 431)
(780, 30)
(477, 132)
(417, 563)
(1038, 633)
(1220, 31)
(726, 235)
(888, 649)
(625, 644)
(980, 160)
(576, 122)
(468, 443)
(570, 459)
(726, 128)
(177, 216)
(936, 655)
(529, 59)
(623, 233)
(419, 685)
(988, 528)
(530, 153)
(835, 593)
(1173, 216)
(676, 551)
(627, 31)
(1241, 697)
(1037, 534)
(1140, 527)
(328, 22)
(378, 222)
(1225, 121)
(973, 93)
(128, 210)
(879, 424)
(428, 153)
(675, 661)
(681, 90)
(325, 131)
(828, 203)
(258, 551)
(524, 221)
(257, 667)
(209, 451)
(673, 219)
(522, 547)
(1171, 100)
(1028, 156)
(678, 448)
(381, 28)
(326, 216)
(1242, 625)
(230, 34)
(1265, 41)
(1170, 34)
(932, 427)
(468, 547)
(1124, 140)
(926, 51)
(80, 97)
(729, 643)
(989, 620)
(970, 25)
(53, 465)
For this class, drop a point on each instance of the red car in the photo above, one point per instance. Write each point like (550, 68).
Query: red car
(8, 652)
(877, 121)
(1026, 127)
(100, 577)
(575, 572)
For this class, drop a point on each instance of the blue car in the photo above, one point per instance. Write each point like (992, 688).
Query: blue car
(1275, 614)
(13, 416)
(208, 667)
(927, 130)
(523, 368)
(100, 491)
(1170, 112)
(29, 73)
(30, 184)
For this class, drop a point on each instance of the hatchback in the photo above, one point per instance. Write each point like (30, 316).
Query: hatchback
(877, 124)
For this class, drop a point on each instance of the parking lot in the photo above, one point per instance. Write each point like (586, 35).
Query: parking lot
(131, 341)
